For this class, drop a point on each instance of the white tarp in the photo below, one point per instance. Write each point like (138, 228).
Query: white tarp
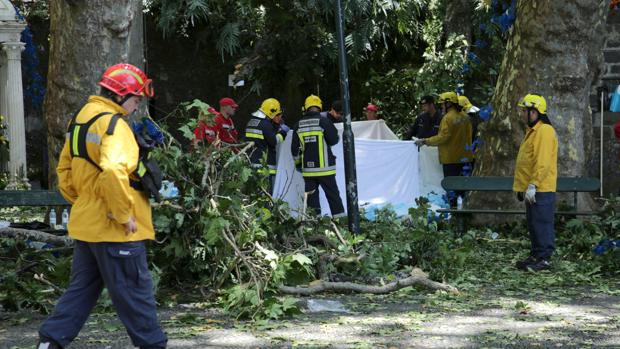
(388, 170)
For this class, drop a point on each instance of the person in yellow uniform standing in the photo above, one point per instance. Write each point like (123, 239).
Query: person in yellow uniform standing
(453, 140)
(110, 220)
(535, 180)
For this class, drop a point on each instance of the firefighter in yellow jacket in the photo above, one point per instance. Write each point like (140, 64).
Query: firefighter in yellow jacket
(535, 179)
(453, 140)
(110, 220)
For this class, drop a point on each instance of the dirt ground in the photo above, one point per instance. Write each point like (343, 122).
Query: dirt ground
(408, 319)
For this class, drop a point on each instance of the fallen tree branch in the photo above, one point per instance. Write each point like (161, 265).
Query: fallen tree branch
(418, 277)
(36, 235)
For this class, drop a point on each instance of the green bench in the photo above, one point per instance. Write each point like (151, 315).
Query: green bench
(47, 198)
(573, 185)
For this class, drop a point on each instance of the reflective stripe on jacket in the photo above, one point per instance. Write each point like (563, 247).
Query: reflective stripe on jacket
(94, 193)
(262, 131)
(311, 145)
(537, 161)
(454, 138)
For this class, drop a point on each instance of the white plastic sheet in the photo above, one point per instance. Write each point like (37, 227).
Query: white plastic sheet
(388, 170)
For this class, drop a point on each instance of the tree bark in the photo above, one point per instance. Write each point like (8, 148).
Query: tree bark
(27, 234)
(553, 50)
(85, 38)
(418, 277)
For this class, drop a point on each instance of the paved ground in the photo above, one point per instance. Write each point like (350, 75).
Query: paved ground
(404, 320)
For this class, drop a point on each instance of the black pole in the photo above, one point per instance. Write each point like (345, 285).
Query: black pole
(347, 134)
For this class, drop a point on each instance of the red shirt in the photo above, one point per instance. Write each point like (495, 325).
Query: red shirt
(223, 127)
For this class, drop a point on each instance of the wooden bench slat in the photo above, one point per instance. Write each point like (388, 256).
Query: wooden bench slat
(564, 184)
(32, 198)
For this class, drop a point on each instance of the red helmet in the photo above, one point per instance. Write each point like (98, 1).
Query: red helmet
(124, 79)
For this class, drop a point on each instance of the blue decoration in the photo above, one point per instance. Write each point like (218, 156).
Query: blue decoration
(473, 58)
(508, 16)
(481, 44)
(460, 91)
(485, 113)
(466, 68)
(34, 86)
(605, 245)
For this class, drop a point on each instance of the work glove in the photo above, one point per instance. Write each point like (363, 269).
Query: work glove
(530, 194)
(284, 128)
(420, 142)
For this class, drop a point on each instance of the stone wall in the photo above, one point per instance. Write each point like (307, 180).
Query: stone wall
(606, 84)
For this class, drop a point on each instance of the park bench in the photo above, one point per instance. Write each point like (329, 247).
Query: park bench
(33, 198)
(573, 185)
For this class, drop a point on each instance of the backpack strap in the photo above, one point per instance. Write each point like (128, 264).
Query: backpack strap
(77, 138)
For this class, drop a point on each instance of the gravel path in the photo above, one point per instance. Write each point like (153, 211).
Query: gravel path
(403, 320)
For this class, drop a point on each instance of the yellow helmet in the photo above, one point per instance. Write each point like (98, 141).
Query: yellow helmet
(449, 97)
(271, 107)
(465, 103)
(534, 101)
(313, 101)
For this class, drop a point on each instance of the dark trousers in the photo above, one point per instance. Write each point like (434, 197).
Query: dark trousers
(540, 223)
(450, 170)
(328, 183)
(123, 270)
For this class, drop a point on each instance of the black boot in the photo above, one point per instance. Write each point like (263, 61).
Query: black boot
(524, 263)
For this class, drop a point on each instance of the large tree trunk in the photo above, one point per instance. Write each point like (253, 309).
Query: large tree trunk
(553, 50)
(85, 38)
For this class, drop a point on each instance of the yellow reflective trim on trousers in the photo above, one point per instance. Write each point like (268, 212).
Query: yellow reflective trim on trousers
(74, 141)
(254, 135)
(141, 169)
(319, 174)
(319, 140)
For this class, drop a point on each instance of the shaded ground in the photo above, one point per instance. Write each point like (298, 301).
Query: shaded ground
(490, 318)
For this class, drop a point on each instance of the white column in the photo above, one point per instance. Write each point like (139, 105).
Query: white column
(3, 102)
(15, 109)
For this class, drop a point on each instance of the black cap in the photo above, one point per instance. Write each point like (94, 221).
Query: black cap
(427, 99)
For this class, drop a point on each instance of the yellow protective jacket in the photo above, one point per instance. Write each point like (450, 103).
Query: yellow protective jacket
(94, 193)
(537, 162)
(454, 138)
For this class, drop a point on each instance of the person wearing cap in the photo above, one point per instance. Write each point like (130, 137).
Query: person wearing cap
(535, 180)
(335, 112)
(110, 220)
(372, 112)
(311, 148)
(453, 140)
(427, 123)
(223, 127)
(265, 130)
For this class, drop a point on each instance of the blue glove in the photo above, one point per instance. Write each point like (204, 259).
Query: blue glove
(284, 128)
(153, 131)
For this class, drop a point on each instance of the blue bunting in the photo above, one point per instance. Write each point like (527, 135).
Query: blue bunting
(485, 113)
(473, 58)
(466, 68)
(481, 43)
(34, 83)
(605, 245)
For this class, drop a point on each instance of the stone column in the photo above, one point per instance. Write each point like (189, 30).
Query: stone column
(3, 103)
(15, 111)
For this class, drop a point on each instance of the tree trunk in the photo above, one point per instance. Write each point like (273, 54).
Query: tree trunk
(458, 19)
(85, 38)
(553, 50)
